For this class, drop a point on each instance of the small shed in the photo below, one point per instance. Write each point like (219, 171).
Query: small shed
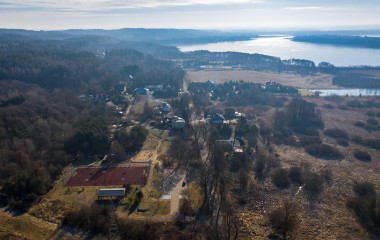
(111, 193)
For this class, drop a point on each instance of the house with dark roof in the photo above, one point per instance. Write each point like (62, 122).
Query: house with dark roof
(217, 119)
(165, 107)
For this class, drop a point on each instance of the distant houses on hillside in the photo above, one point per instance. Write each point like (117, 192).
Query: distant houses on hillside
(141, 91)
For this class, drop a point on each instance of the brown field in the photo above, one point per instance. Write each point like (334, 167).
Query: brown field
(288, 79)
(24, 227)
(327, 217)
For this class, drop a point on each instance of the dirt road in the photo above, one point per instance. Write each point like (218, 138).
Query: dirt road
(175, 195)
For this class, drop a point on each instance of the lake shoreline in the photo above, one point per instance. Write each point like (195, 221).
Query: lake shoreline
(285, 48)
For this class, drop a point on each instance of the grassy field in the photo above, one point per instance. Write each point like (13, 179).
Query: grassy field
(24, 227)
(299, 81)
(328, 216)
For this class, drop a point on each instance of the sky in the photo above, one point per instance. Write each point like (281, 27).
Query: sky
(195, 14)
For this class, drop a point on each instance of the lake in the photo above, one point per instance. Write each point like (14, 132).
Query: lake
(285, 48)
(349, 91)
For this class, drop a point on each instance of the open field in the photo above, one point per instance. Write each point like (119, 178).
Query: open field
(148, 150)
(298, 81)
(24, 227)
(326, 216)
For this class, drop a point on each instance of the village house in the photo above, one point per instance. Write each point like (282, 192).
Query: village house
(178, 123)
(166, 108)
(217, 119)
(141, 91)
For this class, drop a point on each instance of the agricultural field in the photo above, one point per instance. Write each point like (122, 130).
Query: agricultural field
(295, 80)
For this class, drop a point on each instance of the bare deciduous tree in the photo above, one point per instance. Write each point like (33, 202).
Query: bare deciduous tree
(285, 218)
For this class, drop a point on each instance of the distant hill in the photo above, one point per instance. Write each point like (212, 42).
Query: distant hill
(161, 36)
(350, 41)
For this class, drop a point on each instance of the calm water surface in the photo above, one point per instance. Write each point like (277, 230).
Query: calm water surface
(348, 91)
(285, 48)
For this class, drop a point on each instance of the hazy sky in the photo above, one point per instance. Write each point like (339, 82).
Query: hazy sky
(216, 14)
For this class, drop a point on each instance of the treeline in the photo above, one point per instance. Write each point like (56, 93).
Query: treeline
(352, 41)
(95, 221)
(356, 79)
(78, 65)
(245, 61)
(162, 36)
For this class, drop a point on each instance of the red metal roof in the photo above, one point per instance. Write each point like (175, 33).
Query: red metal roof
(109, 176)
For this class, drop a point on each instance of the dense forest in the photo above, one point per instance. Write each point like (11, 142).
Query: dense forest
(32, 135)
(51, 65)
(351, 41)
(352, 79)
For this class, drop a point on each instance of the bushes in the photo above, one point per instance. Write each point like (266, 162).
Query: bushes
(372, 143)
(364, 189)
(355, 104)
(336, 133)
(356, 139)
(146, 230)
(285, 218)
(362, 155)
(259, 168)
(308, 140)
(310, 131)
(25, 189)
(92, 219)
(360, 124)
(371, 114)
(334, 98)
(342, 142)
(324, 151)
(133, 140)
(280, 178)
(366, 204)
(313, 183)
(296, 175)
(301, 114)
(328, 106)
(372, 121)
(371, 125)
